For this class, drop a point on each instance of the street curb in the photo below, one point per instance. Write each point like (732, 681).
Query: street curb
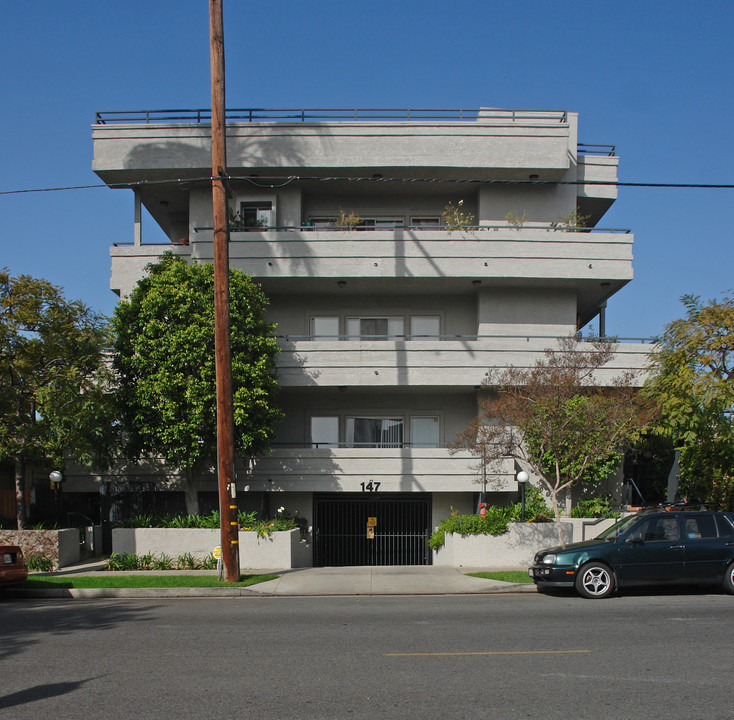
(234, 592)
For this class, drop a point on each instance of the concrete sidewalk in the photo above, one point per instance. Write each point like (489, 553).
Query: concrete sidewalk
(330, 581)
(410, 580)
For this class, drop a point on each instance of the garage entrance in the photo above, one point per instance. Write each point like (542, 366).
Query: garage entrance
(357, 529)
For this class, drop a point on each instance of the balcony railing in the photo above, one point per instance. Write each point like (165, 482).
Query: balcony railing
(423, 229)
(465, 338)
(303, 115)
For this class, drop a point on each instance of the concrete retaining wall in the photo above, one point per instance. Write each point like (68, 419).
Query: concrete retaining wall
(517, 547)
(282, 549)
(59, 546)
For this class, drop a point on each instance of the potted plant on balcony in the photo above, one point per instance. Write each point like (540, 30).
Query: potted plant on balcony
(454, 218)
(247, 224)
(348, 221)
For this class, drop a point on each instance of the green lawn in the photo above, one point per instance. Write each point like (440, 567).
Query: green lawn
(513, 576)
(139, 581)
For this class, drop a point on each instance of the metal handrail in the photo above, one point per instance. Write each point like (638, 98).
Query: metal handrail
(303, 115)
(356, 446)
(421, 228)
(596, 149)
(464, 338)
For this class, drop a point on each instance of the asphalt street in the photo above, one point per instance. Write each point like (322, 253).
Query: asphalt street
(497, 656)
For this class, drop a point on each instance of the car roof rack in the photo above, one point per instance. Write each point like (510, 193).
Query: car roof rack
(679, 505)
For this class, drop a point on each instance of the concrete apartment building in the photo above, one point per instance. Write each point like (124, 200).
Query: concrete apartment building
(387, 328)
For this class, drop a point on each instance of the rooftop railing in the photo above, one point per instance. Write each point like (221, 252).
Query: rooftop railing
(315, 115)
(596, 149)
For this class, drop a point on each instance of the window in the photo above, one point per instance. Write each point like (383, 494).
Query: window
(382, 223)
(374, 328)
(422, 326)
(660, 528)
(375, 432)
(366, 223)
(256, 214)
(699, 527)
(425, 222)
(324, 328)
(324, 432)
(725, 527)
(424, 432)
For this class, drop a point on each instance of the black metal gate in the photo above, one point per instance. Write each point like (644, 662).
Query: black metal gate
(356, 529)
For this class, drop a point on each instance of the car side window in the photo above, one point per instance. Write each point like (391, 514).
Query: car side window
(726, 529)
(659, 529)
(700, 527)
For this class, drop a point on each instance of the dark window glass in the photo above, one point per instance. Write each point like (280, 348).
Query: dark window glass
(660, 529)
(698, 527)
(725, 527)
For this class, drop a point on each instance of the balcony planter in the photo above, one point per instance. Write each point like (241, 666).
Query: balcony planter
(280, 550)
(59, 546)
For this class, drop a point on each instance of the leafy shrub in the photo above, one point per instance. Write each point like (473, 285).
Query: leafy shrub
(162, 562)
(283, 520)
(593, 507)
(535, 508)
(248, 521)
(44, 526)
(41, 563)
(209, 562)
(172, 521)
(496, 521)
(122, 561)
(150, 561)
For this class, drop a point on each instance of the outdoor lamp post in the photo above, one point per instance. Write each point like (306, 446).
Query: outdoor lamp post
(55, 476)
(522, 478)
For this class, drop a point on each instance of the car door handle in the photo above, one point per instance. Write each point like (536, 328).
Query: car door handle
(676, 547)
(730, 543)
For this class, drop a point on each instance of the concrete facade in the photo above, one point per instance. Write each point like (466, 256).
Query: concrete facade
(388, 327)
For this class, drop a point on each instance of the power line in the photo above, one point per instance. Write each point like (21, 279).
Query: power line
(282, 181)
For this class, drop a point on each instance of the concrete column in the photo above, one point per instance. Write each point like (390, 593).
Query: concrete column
(138, 222)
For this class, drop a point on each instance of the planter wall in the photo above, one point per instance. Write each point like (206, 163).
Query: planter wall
(59, 546)
(588, 532)
(515, 549)
(283, 549)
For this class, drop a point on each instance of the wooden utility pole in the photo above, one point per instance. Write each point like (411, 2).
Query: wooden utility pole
(225, 412)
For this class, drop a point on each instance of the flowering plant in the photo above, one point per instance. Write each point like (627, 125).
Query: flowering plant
(455, 219)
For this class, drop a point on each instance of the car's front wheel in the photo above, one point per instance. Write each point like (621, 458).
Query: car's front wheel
(595, 580)
(729, 579)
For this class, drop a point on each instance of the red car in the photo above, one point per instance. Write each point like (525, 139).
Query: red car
(12, 567)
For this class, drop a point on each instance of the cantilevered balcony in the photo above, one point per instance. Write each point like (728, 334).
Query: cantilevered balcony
(445, 362)
(306, 257)
(393, 469)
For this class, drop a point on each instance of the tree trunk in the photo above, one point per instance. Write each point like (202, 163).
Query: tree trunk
(20, 493)
(191, 490)
(557, 516)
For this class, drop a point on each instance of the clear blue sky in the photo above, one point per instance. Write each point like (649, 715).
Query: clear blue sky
(653, 77)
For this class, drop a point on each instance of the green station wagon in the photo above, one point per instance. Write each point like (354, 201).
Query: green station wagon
(654, 547)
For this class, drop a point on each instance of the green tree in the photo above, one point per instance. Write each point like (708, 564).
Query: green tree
(164, 357)
(692, 378)
(556, 420)
(55, 393)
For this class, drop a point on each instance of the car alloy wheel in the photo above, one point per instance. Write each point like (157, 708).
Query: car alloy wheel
(594, 580)
(729, 579)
